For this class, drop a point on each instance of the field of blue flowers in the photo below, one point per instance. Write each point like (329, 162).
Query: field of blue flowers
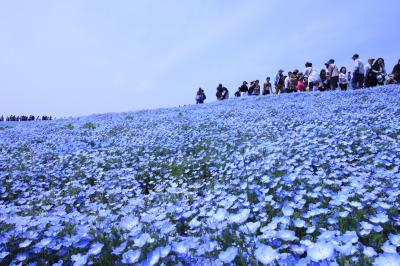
(295, 179)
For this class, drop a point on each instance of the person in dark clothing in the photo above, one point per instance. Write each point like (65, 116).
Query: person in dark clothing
(267, 87)
(251, 88)
(279, 81)
(396, 72)
(369, 75)
(222, 93)
(378, 72)
(237, 93)
(257, 89)
(200, 96)
(244, 89)
(324, 81)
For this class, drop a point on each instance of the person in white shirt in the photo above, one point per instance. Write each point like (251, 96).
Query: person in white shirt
(369, 77)
(313, 76)
(358, 73)
(287, 82)
(343, 82)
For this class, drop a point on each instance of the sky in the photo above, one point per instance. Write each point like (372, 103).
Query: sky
(79, 57)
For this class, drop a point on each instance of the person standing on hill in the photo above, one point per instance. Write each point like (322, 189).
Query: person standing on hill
(379, 72)
(323, 86)
(313, 77)
(396, 72)
(279, 82)
(369, 76)
(222, 93)
(333, 74)
(257, 89)
(358, 73)
(287, 82)
(267, 87)
(343, 82)
(200, 96)
(244, 89)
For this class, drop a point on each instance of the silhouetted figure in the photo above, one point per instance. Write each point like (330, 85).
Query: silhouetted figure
(222, 93)
(267, 87)
(358, 73)
(244, 89)
(396, 72)
(200, 97)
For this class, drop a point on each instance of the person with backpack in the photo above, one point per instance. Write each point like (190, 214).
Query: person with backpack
(200, 96)
(279, 81)
(358, 72)
(333, 74)
(369, 76)
(267, 87)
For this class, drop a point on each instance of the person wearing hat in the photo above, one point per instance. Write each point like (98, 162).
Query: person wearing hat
(243, 89)
(358, 73)
(279, 81)
(333, 74)
(369, 76)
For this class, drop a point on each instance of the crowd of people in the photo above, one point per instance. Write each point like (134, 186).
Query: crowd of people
(331, 77)
(25, 118)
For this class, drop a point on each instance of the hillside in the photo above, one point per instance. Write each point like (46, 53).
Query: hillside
(282, 179)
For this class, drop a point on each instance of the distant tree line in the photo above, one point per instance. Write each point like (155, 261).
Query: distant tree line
(25, 118)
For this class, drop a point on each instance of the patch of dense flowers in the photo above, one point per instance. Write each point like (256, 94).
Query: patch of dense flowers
(309, 178)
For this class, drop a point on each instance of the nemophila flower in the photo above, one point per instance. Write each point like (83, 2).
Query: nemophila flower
(387, 259)
(299, 223)
(320, 251)
(228, 255)
(387, 247)
(250, 227)
(286, 235)
(79, 259)
(287, 210)
(128, 223)
(25, 244)
(142, 240)
(131, 256)
(298, 249)
(379, 218)
(95, 248)
(181, 247)
(4, 254)
(118, 250)
(58, 263)
(266, 254)
(310, 229)
(164, 251)
(369, 252)
(21, 256)
(239, 217)
(395, 239)
(43, 243)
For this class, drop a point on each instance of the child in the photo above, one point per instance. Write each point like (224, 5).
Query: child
(343, 82)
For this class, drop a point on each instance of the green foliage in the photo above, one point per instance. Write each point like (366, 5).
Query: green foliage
(89, 125)
(69, 126)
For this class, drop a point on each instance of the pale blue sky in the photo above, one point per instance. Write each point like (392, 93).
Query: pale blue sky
(73, 57)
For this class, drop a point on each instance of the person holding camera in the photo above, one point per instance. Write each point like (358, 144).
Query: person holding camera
(379, 72)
